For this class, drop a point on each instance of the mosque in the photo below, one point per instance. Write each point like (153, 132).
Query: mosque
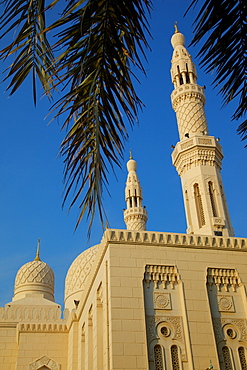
(141, 299)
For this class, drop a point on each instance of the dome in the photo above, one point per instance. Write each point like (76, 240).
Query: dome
(32, 278)
(177, 39)
(131, 165)
(77, 276)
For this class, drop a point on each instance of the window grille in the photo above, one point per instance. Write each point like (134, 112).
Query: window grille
(158, 361)
(175, 359)
(241, 352)
(227, 358)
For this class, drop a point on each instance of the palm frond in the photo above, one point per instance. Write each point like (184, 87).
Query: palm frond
(30, 47)
(100, 41)
(224, 24)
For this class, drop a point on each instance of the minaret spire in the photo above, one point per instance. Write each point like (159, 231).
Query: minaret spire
(37, 258)
(197, 157)
(135, 215)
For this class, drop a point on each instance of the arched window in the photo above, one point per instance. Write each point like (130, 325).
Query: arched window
(227, 358)
(212, 198)
(187, 75)
(175, 358)
(180, 76)
(158, 360)
(199, 207)
(241, 352)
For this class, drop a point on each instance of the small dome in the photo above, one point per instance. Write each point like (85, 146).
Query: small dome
(131, 165)
(177, 39)
(34, 277)
(77, 276)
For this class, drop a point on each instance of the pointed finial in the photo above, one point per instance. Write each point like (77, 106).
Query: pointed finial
(176, 27)
(37, 252)
(131, 157)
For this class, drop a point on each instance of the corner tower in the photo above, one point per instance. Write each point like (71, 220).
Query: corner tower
(197, 156)
(135, 215)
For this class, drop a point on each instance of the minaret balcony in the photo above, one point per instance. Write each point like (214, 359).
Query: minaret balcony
(197, 150)
(135, 210)
(187, 90)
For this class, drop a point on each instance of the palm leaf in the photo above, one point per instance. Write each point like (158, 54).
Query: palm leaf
(100, 40)
(30, 46)
(224, 52)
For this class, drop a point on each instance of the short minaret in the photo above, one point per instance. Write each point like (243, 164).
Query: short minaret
(135, 216)
(197, 157)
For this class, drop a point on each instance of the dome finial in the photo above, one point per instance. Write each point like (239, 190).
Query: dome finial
(176, 27)
(37, 252)
(131, 156)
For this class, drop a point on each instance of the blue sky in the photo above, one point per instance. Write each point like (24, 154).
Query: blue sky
(31, 186)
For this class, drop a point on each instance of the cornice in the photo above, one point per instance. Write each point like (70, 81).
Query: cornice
(175, 240)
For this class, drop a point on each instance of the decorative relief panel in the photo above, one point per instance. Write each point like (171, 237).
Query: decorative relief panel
(163, 275)
(44, 361)
(162, 301)
(225, 303)
(223, 323)
(30, 313)
(223, 279)
(175, 322)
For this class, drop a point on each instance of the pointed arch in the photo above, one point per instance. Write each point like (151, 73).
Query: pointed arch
(44, 363)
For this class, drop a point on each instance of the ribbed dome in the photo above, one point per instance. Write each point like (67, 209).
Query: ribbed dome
(77, 275)
(34, 277)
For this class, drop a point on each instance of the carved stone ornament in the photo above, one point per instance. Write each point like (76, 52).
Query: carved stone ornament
(174, 321)
(163, 275)
(44, 361)
(225, 303)
(223, 279)
(162, 301)
(239, 324)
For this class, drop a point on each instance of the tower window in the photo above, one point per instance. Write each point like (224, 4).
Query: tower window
(241, 352)
(158, 361)
(175, 359)
(180, 76)
(187, 74)
(227, 358)
(199, 207)
(212, 198)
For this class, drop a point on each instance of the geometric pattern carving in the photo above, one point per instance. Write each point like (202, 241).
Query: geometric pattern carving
(44, 361)
(79, 271)
(225, 303)
(174, 321)
(35, 272)
(30, 313)
(223, 278)
(162, 301)
(189, 108)
(220, 323)
(161, 274)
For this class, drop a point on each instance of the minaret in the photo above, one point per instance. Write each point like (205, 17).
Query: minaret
(135, 216)
(197, 156)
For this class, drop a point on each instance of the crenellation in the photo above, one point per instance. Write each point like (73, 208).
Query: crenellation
(188, 240)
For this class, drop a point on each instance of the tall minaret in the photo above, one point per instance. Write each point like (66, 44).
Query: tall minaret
(135, 216)
(197, 156)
